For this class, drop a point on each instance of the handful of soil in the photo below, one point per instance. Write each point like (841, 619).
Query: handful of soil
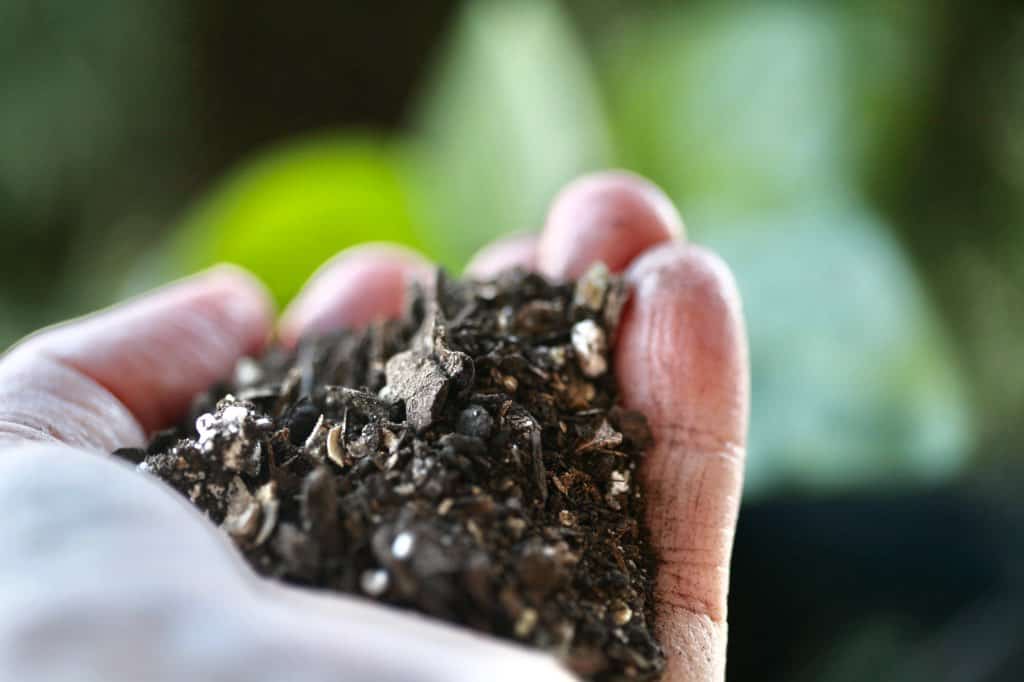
(468, 461)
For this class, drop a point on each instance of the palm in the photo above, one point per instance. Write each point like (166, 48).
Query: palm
(124, 551)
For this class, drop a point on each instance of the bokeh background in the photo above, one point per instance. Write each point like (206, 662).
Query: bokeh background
(860, 165)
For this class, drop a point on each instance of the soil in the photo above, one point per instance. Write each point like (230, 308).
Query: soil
(468, 461)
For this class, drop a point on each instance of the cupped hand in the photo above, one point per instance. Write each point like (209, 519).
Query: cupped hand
(105, 574)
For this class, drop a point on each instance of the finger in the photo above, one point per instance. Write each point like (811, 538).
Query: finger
(513, 251)
(355, 287)
(107, 379)
(611, 217)
(681, 359)
(136, 574)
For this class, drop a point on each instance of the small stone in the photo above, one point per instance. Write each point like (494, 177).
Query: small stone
(423, 376)
(591, 346)
(618, 485)
(620, 612)
(619, 482)
(517, 526)
(235, 414)
(242, 520)
(510, 383)
(247, 371)
(419, 381)
(526, 622)
(374, 582)
(475, 421)
(402, 545)
(206, 427)
(591, 288)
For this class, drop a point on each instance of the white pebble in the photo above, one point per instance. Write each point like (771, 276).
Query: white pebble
(206, 427)
(235, 414)
(374, 583)
(591, 346)
(401, 547)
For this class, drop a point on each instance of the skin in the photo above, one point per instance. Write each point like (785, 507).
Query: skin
(106, 574)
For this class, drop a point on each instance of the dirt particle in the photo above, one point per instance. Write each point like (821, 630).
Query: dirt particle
(468, 461)
(591, 346)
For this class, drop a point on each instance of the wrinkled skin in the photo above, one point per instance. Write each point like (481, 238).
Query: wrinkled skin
(108, 575)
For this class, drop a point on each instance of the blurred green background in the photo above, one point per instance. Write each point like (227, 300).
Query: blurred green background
(860, 166)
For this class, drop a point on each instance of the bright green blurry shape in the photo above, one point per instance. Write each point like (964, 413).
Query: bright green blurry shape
(736, 108)
(511, 115)
(853, 379)
(763, 122)
(762, 106)
(285, 213)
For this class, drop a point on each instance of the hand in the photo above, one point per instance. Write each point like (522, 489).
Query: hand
(105, 574)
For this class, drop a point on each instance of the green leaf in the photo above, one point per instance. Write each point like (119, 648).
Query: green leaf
(763, 106)
(853, 379)
(763, 122)
(510, 116)
(286, 212)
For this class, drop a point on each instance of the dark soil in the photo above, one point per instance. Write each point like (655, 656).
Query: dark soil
(468, 461)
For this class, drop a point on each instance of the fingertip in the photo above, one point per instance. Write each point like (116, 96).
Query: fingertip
(610, 216)
(684, 338)
(512, 251)
(357, 286)
(244, 300)
(695, 269)
(234, 279)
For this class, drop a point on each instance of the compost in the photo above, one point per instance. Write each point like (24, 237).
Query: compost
(469, 461)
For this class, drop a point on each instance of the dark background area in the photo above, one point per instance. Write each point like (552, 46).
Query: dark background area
(271, 72)
(881, 537)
